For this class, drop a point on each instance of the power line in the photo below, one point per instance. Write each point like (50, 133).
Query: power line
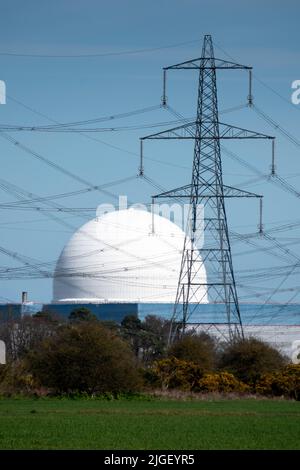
(260, 80)
(103, 142)
(69, 126)
(58, 126)
(65, 124)
(67, 194)
(276, 126)
(98, 54)
(55, 166)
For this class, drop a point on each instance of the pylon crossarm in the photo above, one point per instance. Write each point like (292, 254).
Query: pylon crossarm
(188, 131)
(182, 191)
(230, 191)
(186, 192)
(206, 63)
(174, 133)
(233, 132)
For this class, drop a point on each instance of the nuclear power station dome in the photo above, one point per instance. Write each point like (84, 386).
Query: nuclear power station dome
(123, 256)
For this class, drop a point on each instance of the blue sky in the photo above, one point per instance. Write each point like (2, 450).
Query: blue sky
(262, 34)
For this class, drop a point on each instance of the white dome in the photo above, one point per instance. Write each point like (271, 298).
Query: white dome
(117, 258)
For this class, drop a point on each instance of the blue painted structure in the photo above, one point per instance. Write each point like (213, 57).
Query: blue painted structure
(252, 314)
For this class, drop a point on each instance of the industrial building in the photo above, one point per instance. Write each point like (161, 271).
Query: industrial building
(127, 263)
(135, 262)
(126, 256)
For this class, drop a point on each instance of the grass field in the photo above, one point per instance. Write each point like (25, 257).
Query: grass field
(157, 424)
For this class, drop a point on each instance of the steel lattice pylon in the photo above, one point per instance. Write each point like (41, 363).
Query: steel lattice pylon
(207, 190)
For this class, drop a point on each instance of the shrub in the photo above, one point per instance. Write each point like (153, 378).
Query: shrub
(3, 369)
(284, 383)
(199, 349)
(248, 359)
(84, 357)
(222, 382)
(16, 379)
(175, 373)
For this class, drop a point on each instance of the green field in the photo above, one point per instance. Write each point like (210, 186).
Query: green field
(157, 424)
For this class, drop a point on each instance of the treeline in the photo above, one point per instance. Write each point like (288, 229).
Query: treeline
(49, 356)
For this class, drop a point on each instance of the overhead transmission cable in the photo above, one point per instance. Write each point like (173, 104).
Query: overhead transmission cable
(100, 141)
(55, 166)
(259, 79)
(98, 54)
(69, 126)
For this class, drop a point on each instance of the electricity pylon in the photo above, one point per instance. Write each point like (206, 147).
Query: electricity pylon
(207, 190)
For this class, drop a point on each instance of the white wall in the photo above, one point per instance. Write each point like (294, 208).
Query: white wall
(286, 338)
(2, 352)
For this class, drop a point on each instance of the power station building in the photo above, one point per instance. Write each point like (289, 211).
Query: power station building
(127, 262)
(126, 256)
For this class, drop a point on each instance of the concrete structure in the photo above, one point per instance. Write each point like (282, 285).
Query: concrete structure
(124, 256)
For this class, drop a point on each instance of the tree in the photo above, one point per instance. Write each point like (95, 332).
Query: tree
(111, 325)
(82, 314)
(250, 358)
(47, 316)
(197, 348)
(84, 357)
(131, 327)
(154, 338)
(24, 334)
(131, 323)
